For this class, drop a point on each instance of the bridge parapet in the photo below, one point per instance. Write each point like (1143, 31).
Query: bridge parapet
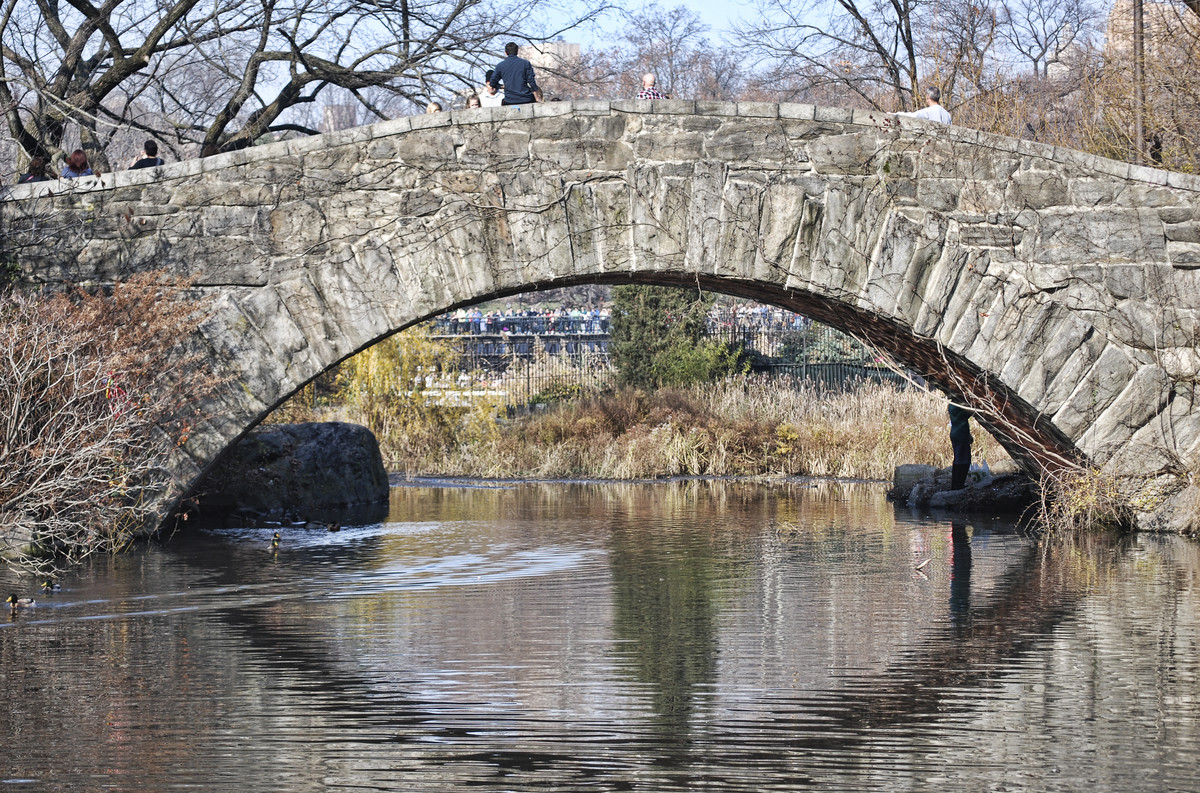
(1056, 291)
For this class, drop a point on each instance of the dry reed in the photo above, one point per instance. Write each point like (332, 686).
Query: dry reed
(744, 426)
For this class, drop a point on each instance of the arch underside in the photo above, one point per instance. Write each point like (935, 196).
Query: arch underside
(1030, 438)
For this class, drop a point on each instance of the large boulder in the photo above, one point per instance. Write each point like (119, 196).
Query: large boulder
(297, 472)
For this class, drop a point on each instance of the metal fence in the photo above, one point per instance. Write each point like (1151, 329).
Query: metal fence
(525, 366)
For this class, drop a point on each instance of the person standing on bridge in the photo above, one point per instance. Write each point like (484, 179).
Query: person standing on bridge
(36, 173)
(488, 98)
(932, 110)
(516, 75)
(76, 165)
(149, 158)
(648, 90)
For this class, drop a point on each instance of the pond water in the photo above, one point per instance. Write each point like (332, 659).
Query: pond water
(646, 637)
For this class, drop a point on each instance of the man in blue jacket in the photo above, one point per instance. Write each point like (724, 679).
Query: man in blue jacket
(516, 75)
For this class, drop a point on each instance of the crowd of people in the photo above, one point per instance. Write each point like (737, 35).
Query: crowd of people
(474, 321)
(746, 318)
(721, 320)
(75, 165)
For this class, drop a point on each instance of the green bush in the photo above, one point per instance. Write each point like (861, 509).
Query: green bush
(658, 339)
(557, 392)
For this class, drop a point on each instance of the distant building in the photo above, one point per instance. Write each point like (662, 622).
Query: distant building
(1168, 28)
(339, 117)
(552, 55)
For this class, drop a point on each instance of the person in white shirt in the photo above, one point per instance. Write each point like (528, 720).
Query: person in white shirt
(932, 110)
(488, 99)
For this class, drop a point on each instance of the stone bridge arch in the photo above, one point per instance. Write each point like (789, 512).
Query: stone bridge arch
(1055, 291)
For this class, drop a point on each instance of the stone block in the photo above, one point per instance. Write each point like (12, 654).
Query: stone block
(1185, 255)
(758, 109)
(551, 109)
(296, 226)
(905, 476)
(1092, 192)
(1098, 389)
(433, 120)
(711, 108)
(672, 107)
(743, 143)
(1183, 181)
(220, 221)
(838, 115)
(1181, 363)
(592, 107)
(1035, 324)
(1125, 280)
(869, 118)
(680, 147)
(1180, 214)
(801, 112)
(986, 235)
(393, 127)
(852, 154)
(471, 116)
(1148, 196)
(640, 106)
(298, 471)
(301, 146)
(940, 195)
(1144, 396)
(1038, 190)
(1113, 235)
(1063, 358)
(1151, 176)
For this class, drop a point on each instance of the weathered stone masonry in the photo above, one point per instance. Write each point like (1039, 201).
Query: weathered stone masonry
(1059, 290)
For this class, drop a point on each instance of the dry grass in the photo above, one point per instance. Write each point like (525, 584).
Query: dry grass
(740, 427)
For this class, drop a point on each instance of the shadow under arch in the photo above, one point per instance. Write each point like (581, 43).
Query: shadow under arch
(1029, 437)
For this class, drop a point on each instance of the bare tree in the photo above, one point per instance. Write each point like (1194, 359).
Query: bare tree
(868, 47)
(1044, 31)
(666, 42)
(220, 75)
(672, 44)
(96, 391)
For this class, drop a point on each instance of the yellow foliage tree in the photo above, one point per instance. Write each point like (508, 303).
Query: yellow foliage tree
(405, 389)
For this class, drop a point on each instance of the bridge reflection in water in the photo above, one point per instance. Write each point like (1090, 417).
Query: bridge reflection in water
(621, 637)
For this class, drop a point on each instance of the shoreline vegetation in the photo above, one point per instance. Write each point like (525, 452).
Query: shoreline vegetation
(740, 426)
(98, 389)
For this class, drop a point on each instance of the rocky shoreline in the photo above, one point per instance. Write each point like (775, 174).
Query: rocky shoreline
(1003, 489)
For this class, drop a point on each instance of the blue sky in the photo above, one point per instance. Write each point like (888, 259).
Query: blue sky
(716, 14)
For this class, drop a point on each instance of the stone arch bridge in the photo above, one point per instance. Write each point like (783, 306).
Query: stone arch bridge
(1056, 291)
